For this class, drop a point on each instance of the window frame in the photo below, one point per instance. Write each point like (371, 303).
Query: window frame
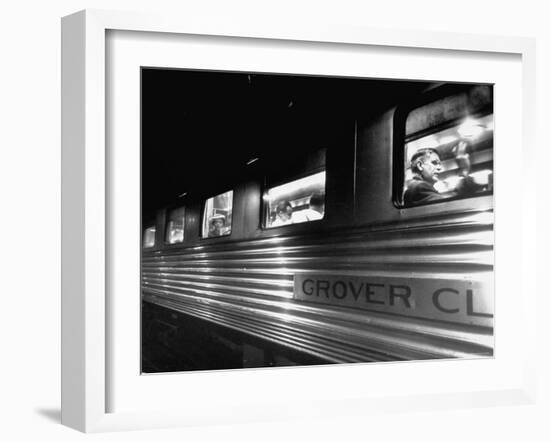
(167, 219)
(202, 215)
(400, 140)
(264, 188)
(152, 246)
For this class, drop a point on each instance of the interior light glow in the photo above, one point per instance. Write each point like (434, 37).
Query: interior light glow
(481, 177)
(470, 128)
(447, 139)
(252, 160)
(149, 237)
(315, 180)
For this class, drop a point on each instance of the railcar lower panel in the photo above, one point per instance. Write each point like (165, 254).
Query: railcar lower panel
(250, 287)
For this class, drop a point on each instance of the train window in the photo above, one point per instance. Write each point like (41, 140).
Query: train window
(175, 220)
(449, 159)
(149, 236)
(297, 201)
(217, 215)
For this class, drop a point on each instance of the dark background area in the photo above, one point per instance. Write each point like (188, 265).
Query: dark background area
(200, 128)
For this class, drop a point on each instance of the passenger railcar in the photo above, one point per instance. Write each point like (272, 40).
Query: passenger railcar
(251, 273)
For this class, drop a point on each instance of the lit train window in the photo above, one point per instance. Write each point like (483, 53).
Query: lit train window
(174, 225)
(217, 215)
(149, 236)
(450, 159)
(295, 202)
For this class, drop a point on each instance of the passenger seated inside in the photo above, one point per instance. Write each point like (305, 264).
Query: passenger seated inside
(283, 213)
(217, 226)
(426, 168)
(314, 212)
(217, 215)
(294, 202)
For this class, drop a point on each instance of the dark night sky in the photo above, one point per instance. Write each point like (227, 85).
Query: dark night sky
(200, 128)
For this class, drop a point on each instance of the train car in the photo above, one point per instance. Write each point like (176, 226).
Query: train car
(361, 231)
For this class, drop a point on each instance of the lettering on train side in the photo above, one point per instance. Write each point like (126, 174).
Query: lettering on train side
(400, 291)
(371, 292)
(461, 300)
(437, 302)
(470, 306)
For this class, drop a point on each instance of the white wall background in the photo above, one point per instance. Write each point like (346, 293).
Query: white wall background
(30, 221)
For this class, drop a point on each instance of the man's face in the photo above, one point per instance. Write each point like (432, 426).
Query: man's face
(430, 168)
(284, 213)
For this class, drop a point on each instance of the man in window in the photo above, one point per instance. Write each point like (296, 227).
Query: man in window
(426, 168)
(217, 226)
(283, 211)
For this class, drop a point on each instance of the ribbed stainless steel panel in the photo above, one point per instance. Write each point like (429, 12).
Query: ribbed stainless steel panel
(248, 286)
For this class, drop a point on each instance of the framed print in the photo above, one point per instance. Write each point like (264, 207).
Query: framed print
(261, 216)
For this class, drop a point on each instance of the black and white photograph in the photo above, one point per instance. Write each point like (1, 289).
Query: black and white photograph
(299, 220)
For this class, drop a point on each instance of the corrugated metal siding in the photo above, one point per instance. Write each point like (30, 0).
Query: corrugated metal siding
(248, 286)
